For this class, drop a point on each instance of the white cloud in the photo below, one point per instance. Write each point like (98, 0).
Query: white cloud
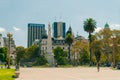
(16, 29)
(2, 29)
(98, 29)
(115, 26)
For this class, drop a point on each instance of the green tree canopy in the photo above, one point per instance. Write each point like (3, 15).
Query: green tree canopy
(97, 48)
(33, 57)
(60, 56)
(20, 51)
(4, 54)
(89, 26)
(69, 40)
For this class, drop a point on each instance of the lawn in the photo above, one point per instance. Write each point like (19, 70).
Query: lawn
(7, 74)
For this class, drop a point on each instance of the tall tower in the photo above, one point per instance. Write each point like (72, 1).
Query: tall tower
(49, 41)
(49, 55)
(35, 31)
(59, 29)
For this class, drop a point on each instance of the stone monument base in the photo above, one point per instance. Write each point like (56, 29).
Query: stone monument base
(50, 59)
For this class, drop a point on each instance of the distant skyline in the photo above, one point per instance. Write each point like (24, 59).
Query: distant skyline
(16, 14)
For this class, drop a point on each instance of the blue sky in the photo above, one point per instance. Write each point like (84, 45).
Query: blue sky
(16, 14)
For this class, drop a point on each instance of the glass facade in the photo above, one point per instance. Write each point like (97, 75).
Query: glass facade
(35, 31)
(55, 32)
(59, 29)
(64, 30)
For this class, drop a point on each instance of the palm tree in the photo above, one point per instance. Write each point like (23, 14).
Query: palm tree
(89, 26)
(69, 41)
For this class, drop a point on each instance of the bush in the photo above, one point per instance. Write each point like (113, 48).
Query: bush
(60, 56)
(62, 61)
(84, 58)
(40, 61)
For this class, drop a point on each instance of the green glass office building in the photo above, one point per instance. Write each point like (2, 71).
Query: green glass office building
(35, 31)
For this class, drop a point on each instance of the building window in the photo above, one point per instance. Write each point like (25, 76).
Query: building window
(59, 41)
(43, 48)
(56, 42)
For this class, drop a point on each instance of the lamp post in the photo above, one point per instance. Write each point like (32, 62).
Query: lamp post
(9, 35)
(113, 46)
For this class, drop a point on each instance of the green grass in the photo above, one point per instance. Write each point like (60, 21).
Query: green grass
(7, 74)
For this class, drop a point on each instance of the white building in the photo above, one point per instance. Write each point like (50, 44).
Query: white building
(48, 44)
(1, 41)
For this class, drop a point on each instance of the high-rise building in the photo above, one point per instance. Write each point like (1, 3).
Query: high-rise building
(59, 29)
(35, 31)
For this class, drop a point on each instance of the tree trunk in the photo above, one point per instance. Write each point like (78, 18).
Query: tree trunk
(98, 66)
(69, 58)
(90, 49)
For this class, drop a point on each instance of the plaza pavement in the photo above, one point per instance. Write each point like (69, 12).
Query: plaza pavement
(79, 73)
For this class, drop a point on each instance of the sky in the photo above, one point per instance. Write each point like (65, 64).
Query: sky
(16, 14)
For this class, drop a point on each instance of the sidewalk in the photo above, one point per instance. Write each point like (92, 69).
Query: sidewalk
(68, 74)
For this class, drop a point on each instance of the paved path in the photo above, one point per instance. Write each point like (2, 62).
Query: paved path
(68, 74)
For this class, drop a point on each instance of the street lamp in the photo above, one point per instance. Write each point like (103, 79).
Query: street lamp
(9, 35)
(113, 46)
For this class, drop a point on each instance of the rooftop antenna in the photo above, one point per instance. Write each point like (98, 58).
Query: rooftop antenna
(60, 17)
(55, 18)
(77, 34)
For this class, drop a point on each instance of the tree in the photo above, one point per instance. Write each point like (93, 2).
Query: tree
(41, 60)
(69, 41)
(60, 56)
(32, 52)
(115, 41)
(3, 54)
(84, 58)
(89, 26)
(20, 51)
(106, 37)
(32, 56)
(96, 46)
(80, 52)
